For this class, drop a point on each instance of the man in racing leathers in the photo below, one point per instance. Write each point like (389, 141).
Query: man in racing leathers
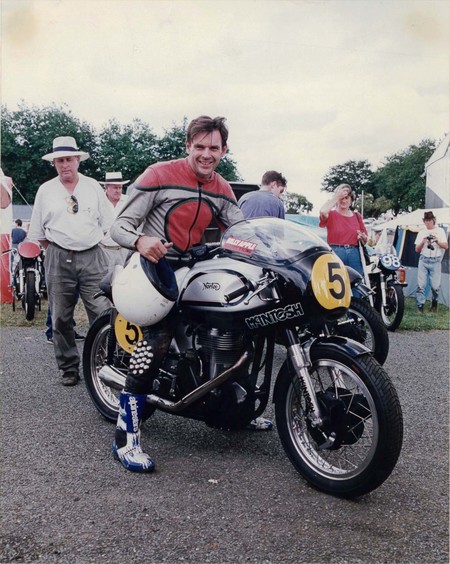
(173, 202)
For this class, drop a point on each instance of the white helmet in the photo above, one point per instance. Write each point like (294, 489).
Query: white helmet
(144, 292)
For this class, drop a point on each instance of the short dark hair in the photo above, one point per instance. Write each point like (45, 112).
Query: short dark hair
(208, 125)
(429, 216)
(273, 176)
(19, 222)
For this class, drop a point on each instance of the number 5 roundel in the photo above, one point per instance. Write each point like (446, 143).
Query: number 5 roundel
(127, 334)
(330, 282)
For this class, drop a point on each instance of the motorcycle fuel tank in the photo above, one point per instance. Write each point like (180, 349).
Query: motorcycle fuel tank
(206, 286)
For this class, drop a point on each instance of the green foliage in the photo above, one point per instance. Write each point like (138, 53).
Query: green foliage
(356, 173)
(172, 144)
(398, 185)
(400, 179)
(296, 203)
(27, 134)
(127, 148)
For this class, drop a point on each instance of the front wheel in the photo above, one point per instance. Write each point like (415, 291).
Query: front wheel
(29, 299)
(357, 445)
(392, 312)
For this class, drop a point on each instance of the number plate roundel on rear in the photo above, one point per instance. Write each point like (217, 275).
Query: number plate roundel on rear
(127, 334)
(330, 282)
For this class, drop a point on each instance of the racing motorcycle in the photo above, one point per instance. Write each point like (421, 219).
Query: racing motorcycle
(28, 279)
(268, 284)
(387, 279)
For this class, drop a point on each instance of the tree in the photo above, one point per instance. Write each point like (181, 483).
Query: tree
(27, 135)
(356, 173)
(129, 149)
(400, 180)
(296, 203)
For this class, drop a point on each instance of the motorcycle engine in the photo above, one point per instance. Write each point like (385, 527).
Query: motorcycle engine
(219, 350)
(231, 405)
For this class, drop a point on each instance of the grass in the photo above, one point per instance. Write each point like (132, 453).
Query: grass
(412, 319)
(427, 321)
(10, 318)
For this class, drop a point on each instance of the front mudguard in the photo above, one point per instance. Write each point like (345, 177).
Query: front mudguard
(334, 342)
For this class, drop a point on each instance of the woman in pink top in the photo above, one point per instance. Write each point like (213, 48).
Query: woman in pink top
(345, 228)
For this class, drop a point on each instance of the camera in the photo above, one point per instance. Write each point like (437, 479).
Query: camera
(430, 244)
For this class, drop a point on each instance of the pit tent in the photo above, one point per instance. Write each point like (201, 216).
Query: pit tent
(437, 174)
(404, 229)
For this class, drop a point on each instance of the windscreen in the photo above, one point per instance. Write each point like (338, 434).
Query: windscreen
(269, 240)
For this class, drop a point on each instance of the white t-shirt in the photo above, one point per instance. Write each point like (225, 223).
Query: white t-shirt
(437, 252)
(53, 218)
(107, 240)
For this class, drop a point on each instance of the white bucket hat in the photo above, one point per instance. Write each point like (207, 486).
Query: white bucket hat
(65, 147)
(114, 178)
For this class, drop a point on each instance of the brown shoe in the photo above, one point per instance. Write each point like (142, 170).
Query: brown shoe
(434, 305)
(70, 379)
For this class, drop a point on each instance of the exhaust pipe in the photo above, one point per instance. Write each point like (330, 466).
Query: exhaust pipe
(112, 377)
(115, 379)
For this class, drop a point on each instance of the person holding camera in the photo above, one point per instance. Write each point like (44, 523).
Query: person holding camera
(431, 243)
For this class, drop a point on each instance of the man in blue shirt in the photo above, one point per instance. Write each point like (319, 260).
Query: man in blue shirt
(18, 234)
(265, 202)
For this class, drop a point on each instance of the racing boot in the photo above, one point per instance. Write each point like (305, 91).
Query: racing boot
(127, 446)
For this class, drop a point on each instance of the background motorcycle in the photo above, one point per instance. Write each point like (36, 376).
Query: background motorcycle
(387, 278)
(337, 412)
(361, 321)
(28, 280)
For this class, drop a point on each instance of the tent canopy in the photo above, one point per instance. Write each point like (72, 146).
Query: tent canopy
(414, 219)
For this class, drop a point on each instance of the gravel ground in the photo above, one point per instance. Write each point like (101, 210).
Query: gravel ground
(216, 497)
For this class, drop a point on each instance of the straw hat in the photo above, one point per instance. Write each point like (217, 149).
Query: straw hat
(65, 147)
(114, 178)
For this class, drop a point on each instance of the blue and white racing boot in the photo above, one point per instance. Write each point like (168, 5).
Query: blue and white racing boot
(260, 424)
(127, 446)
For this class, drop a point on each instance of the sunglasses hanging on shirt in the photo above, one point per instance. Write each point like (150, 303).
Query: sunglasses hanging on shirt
(73, 205)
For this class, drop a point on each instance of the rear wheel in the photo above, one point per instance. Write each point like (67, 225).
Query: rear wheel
(357, 446)
(95, 356)
(29, 299)
(101, 348)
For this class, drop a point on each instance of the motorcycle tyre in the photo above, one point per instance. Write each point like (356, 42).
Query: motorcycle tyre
(389, 416)
(29, 299)
(399, 297)
(372, 319)
(105, 399)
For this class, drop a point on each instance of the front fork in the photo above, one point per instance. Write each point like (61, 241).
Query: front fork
(383, 291)
(301, 363)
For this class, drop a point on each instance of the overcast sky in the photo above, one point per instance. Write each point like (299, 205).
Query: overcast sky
(304, 84)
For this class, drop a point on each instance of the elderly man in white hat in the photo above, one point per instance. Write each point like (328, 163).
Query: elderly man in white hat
(113, 185)
(70, 216)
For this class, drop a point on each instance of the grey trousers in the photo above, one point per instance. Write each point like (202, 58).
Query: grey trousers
(66, 273)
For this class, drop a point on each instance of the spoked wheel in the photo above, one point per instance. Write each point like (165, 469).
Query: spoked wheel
(392, 312)
(358, 444)
(95, 356)
(29, 299)
(363, 323)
